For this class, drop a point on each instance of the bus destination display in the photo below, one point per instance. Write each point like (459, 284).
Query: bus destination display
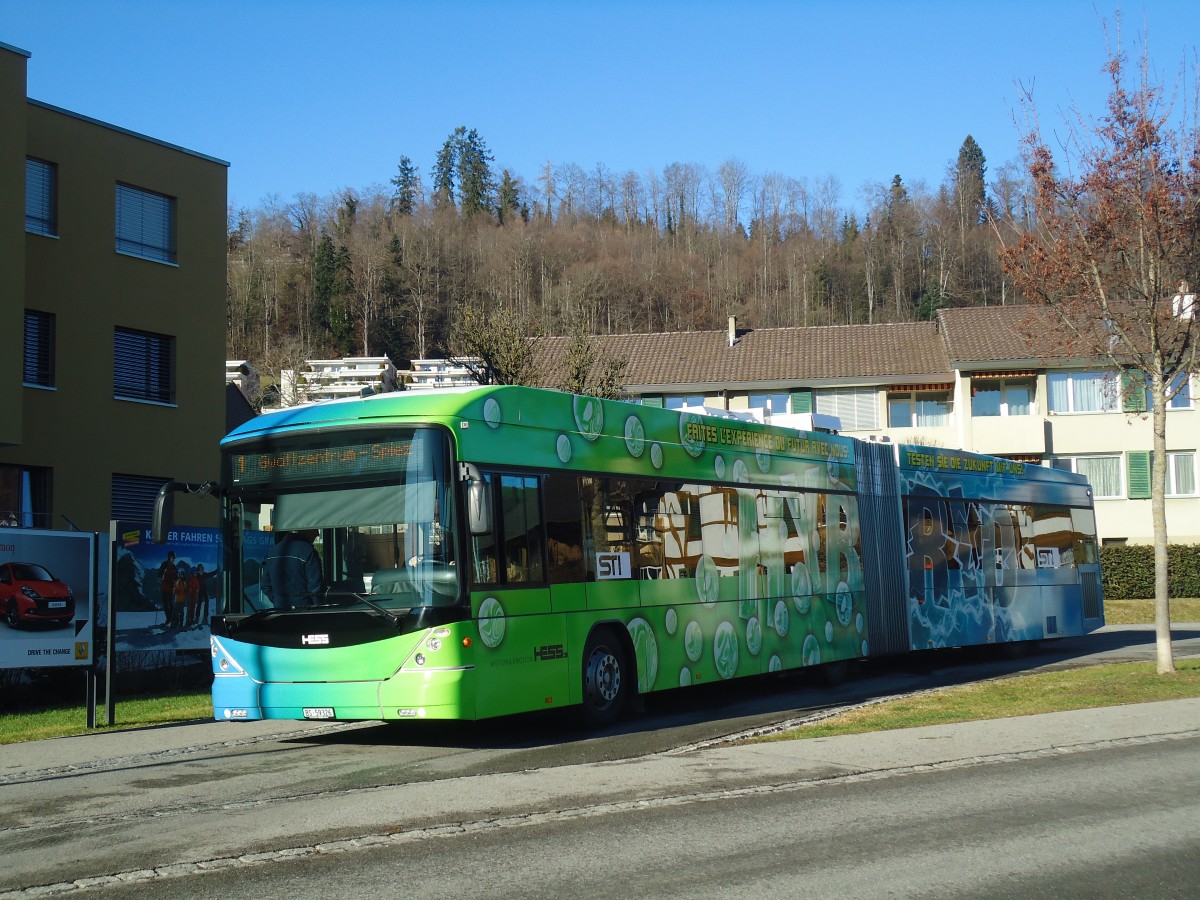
(305, 464)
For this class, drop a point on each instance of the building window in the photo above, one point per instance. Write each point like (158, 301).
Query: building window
(1179, 392)
(41, 197)
(919, 409)
(1000, 397)
(133, 497)
(145, 224)
(857, 408)
(1077, 392)
(38, 366)
(770, 403)
(25, 497)
(1181, 473)
(679, 401)
(1103, 472)
(143, 366)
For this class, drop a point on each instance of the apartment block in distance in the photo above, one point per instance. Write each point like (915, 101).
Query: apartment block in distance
(112, 290)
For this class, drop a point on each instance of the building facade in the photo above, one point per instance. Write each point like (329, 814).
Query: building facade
(991, 380)
(112, 292)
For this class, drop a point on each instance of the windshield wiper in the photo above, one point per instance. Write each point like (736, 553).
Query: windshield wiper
(378, 608)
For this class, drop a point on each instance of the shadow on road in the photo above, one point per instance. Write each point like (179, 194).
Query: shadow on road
(673, 718)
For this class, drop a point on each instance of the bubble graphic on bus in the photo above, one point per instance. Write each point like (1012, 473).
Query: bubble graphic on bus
(858, 623)
(782, 619)
(656, 457)
(801, 589)
(864, 649)
(645, 647)
(693, 641)
(707, 587)
(589, 416)
(685, 676)
(763, 458)
(691, 431)
(843, 602)
(719, 467)
(811, 652)
(564, 448)
(741, 473)
(753, 635)
(671, 621)
(635, 437)
(491, 412)
(725, 650)
(775, 665)
(491, 622)
(828, 632)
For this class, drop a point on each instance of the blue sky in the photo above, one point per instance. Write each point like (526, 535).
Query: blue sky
(307, 96)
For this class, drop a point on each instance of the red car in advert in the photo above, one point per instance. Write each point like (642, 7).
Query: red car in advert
(29, 594)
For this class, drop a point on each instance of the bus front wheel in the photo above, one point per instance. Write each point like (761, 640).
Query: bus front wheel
(605, 679)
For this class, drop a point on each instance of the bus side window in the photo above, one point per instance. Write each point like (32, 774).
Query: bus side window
(564, 531)
(522, 523)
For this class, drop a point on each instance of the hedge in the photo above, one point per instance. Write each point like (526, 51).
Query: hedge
(1128, 571)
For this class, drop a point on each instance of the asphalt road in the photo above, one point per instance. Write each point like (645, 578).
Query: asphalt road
(511, 808)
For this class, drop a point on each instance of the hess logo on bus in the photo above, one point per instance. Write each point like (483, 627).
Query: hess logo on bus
(314, 640)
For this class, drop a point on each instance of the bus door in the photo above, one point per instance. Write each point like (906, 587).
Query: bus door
(520, 660)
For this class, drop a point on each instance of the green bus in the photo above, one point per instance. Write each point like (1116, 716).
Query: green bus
(496, 550)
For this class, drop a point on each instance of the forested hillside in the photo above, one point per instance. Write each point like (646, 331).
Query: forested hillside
(388, 269)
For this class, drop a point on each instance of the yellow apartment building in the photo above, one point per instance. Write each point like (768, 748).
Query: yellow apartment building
(112, 293)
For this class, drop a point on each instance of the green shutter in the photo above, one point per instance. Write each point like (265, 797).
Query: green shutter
(802, 401)
(652, 400)
(1133, 391)
(1137, 467)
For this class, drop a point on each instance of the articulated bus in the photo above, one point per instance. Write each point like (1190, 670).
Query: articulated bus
(497, 550)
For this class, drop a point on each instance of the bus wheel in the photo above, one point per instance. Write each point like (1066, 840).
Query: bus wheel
(605, 682)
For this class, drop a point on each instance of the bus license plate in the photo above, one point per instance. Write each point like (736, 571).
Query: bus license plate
(318, 712)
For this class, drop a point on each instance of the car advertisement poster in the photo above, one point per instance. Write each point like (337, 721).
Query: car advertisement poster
(47, 582)
(165, 593)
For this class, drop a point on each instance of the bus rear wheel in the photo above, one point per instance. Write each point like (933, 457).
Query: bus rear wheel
(605, 679)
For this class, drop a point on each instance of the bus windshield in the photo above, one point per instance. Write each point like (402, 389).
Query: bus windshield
(358, 520)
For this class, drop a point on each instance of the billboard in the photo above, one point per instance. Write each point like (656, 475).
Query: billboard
(47, 586)
(164, 594)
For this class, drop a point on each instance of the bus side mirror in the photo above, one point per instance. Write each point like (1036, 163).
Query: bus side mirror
(164, 512)
(164, 505)
(479, 500)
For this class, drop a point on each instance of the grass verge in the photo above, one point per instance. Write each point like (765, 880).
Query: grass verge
(1115, 684)
(1141, 612)
(136, 712)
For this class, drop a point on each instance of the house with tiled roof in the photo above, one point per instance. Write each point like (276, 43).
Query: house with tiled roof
(1001, 380)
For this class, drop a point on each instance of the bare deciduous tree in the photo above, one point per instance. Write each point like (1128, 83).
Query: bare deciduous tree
(1114, 246)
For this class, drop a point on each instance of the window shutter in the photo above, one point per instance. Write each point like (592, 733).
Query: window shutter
(145, 224)
(143, 366)
(1137, 467)
(133, 497)
(38, 365)
(1133, 391)
(39, 197)
(802, 401)
(655, 400)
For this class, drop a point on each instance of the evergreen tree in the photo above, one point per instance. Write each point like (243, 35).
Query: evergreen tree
(510, 199)
(445, 168)
(969, 184)
(408, 186)
(323, 283)
(475, 186)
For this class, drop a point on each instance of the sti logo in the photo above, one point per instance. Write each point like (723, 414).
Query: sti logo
(612, 566)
